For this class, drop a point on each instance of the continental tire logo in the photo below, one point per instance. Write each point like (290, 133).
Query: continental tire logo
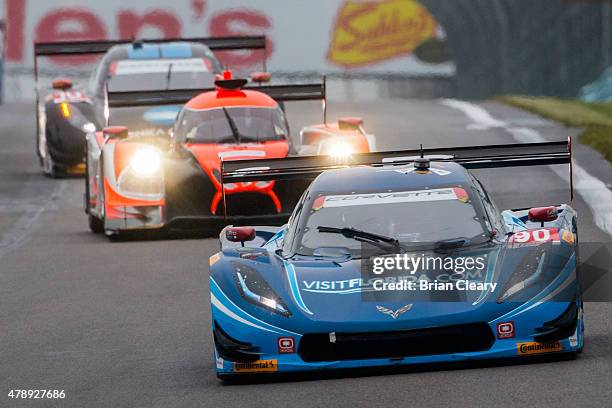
(259, 366)
(538, 348)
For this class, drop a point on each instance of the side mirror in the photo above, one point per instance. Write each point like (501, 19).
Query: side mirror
(240, 234)
(543, 214)
(61, 84)
(352, 123)
(261, 77)
(115, 132)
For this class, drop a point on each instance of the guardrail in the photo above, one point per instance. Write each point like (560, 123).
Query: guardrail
(343, 85)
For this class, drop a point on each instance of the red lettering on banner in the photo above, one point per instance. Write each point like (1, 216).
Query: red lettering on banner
(15, 29)
(78, 23)
(131, 24)
(52, 27)
(256, 23)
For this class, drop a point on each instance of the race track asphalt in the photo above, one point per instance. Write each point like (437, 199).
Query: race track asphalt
(128, 324)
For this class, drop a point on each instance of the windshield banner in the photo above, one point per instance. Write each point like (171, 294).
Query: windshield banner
(439, 194)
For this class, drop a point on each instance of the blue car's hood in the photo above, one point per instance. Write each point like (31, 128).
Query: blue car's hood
(325, 295)
(338, 293)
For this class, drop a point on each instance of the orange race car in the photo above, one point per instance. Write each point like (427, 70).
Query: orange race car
(140, 181)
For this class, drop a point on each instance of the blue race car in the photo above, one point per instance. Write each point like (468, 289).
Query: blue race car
(396, 258)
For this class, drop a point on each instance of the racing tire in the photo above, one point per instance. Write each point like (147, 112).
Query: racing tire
(116, 236)
(37, 138)
(135, 235)
(86, 197)
(573, 355)
(37, 149)
(50, 168)
(228, 379)
(96, 225)
(579, 275)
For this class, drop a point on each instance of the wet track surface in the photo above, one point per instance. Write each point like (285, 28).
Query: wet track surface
(128, 324)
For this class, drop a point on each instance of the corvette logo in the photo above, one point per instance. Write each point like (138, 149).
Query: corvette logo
(394, 313)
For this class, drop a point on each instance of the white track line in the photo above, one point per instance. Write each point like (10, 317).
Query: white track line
(594, 192)
(19, 232)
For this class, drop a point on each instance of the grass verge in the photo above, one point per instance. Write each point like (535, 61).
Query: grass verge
(596, 118)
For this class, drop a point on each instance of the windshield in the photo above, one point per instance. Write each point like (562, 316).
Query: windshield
(253, 124)
(411, 217)
(161, 81)
(137, 75)
(142, 74)
(151, 66)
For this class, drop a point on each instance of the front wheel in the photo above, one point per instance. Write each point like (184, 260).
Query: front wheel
(136, 235)
(50, 168)
(96, 225)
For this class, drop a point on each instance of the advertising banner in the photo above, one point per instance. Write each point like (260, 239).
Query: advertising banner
(2, 31)
(338, 37)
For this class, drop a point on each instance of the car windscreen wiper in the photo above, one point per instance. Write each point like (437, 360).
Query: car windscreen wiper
(380, 241)
(460, 242)
(168, 76)
(232, 125)
(451, 243)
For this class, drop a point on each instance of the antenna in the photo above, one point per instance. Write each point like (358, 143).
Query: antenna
(421, 163)
(168, 76)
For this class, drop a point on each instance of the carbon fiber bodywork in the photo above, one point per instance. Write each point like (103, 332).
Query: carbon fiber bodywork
(65, 137)
(190, 193)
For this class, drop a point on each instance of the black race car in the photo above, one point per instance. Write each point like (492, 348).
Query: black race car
(65, 115)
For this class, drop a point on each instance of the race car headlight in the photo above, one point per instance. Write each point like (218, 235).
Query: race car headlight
(146, 162)
(340, 150)
(89, 127)
(256, 290)
(523, 278)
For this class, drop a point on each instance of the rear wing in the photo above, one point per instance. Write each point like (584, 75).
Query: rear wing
(100, 47)
(472, 157)
(128, 99)
(281, 93)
